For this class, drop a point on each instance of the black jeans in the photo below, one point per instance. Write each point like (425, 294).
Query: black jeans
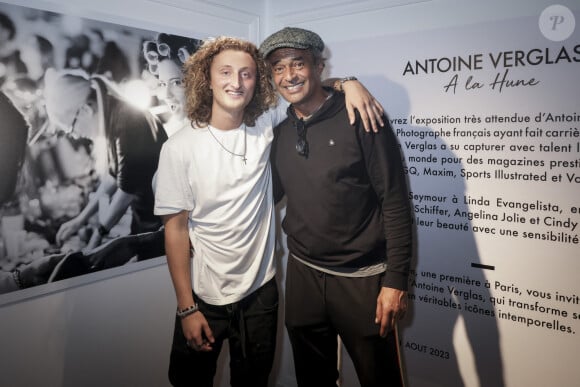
(250, 327)
(321, 306)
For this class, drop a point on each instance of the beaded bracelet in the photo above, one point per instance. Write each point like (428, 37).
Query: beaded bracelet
(187, 311)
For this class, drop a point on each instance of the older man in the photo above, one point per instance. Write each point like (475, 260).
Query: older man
(348, 223)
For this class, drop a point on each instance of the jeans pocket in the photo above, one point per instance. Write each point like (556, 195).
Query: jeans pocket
(266, 297)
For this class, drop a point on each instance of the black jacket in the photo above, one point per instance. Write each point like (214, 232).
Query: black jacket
(347, 202)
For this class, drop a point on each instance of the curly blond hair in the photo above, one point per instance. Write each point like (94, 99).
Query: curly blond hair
(198, 94)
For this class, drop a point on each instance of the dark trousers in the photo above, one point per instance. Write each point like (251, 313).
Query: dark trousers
(319, 307)
(249, 326)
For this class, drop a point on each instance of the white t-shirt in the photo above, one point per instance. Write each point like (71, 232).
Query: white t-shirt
(230, 204)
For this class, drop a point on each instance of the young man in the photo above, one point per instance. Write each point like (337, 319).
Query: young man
(214, 193)
(348, 222)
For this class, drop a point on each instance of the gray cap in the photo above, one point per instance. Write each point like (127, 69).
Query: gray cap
(291, 37)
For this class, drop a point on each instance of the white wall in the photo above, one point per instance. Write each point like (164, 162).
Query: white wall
(113, 332)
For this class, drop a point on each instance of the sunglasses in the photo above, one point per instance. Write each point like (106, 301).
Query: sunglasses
(301, 142)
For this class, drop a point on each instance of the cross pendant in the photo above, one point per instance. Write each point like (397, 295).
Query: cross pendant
(244, 159)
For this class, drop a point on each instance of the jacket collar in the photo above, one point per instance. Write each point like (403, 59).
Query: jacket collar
(329, 108)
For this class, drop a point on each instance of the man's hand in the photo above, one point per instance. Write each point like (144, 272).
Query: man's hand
(358, 97)
(197, 332)
(391, 307)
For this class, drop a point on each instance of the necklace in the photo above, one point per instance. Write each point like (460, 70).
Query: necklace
(306, 118)
(242, 155)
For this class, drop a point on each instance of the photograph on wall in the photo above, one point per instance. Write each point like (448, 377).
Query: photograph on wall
(86, 107)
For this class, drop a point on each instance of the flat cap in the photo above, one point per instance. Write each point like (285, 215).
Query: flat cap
(291, 37)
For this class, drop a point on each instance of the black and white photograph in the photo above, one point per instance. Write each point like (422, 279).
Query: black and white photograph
(85, 106)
